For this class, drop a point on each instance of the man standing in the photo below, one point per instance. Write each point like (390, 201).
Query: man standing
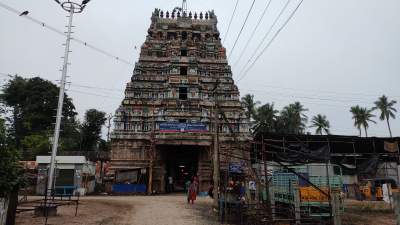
(170, 184)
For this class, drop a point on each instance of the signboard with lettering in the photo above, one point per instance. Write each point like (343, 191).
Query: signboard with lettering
(182, 127)
(236, 167)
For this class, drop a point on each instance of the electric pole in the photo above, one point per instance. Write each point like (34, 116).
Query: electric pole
(71, 8)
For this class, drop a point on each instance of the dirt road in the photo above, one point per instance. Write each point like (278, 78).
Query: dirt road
(130, 210)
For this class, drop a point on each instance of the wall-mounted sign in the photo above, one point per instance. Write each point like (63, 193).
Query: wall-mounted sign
(182, 127)
(236, 167)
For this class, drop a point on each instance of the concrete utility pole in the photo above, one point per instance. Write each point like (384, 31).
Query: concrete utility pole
(71, 8)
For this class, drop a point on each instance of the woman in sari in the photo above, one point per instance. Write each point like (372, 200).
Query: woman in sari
(192, 191)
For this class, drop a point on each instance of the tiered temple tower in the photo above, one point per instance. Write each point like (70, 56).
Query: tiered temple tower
(169, 105)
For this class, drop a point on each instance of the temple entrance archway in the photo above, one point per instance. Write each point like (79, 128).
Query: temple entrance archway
(182, 163)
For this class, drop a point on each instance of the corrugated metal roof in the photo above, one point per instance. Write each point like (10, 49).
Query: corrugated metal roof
(62, 159)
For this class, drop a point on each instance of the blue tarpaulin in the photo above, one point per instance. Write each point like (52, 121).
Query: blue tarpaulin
(129, 188)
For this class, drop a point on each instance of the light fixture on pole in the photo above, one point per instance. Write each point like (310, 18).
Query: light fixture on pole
(71, 7)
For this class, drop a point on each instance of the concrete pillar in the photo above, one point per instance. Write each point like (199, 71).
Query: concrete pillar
(297, 203)
(336, 205)
(396, 203)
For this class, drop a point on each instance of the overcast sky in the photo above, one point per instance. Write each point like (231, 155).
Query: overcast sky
(330, 56)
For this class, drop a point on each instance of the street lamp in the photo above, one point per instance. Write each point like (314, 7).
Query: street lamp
(71, 7)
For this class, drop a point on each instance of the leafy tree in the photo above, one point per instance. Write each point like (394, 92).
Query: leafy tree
(249, 105)
(362, 117)
(321, 124)
(91, 129)
(36, 144)
(266, 116)
(33, 102)
(11, 176)
(387, 110)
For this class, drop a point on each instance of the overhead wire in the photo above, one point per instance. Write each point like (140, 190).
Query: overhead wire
(253, 32)
(265, 36)
(84, 43)
(230, 22)
(241, 29)
(272, 39)
(321, 91)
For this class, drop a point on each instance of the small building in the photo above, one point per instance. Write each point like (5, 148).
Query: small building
(73, 174)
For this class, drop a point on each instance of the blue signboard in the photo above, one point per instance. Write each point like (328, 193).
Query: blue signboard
(182, 127)
(235, 167)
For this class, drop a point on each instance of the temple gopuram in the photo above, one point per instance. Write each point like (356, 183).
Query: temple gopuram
(166, 123)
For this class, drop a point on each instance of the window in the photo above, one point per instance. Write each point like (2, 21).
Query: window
(183, 93)
(184, 35)
(183, 70)
(182, 120)
(183, 52)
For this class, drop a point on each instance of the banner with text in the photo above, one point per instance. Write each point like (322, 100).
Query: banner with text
(182, 127)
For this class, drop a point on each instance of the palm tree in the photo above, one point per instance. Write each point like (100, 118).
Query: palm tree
(293, 118)
(301, 118)
(321, 123)
(366, 117)
(362, 116)
(355, 110)
(387, 110)
(249, 105)
(266, 117)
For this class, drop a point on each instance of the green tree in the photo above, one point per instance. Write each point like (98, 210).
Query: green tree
(266, 116)
(11, 176)
(362, 117)
(293, 119)
(321, 123)
(355, 111)
(33, 102)
(249, 106)
(36, 144)
(91, 129)
(387, 110)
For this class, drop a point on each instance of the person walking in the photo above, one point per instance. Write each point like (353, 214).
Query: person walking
(192, 192)
(170, 184)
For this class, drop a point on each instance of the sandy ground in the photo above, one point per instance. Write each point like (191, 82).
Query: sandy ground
(173, 210)
(130, 210)
(368, 213)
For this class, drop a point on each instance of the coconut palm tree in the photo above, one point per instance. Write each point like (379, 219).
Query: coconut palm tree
(366, 117)
(266, 117)
(320, 123)
(355, 111)
(387, 110)
(362, 116)
(293, 118)
(249, 105)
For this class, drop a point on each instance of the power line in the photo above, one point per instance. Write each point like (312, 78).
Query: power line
(43, 24)
(265, 36)
(354, 101)
(241, 29)
(230, 22)
(94, 94)
(323, 91)
(253, 32)
(272, 39)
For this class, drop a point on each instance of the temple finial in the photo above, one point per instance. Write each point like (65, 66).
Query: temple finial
(184, 6)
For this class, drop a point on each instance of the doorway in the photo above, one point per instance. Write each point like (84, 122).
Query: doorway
(181, 164)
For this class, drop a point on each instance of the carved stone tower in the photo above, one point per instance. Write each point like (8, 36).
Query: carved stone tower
(169, 106)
